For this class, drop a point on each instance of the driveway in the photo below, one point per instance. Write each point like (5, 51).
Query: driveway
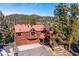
(33, 50)
(40, 51)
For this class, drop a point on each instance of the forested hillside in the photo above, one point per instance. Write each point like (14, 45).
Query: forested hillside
(25, 19)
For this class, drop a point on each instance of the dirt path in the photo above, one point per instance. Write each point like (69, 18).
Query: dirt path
(60, 51)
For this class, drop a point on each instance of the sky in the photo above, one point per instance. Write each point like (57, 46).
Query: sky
(42, 9)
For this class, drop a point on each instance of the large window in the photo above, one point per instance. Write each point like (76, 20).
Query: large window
(32, 34)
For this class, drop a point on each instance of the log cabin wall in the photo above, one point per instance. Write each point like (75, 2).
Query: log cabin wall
(21, 38)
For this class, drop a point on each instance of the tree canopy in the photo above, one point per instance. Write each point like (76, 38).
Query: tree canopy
(66, 26)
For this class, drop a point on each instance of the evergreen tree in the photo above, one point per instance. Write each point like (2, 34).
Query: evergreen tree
(3, 25)
(61, 26)
(66, 28)
(74, 22)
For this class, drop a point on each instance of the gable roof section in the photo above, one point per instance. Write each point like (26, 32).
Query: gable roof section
(26, 28)
(21, 28)
(38, 27)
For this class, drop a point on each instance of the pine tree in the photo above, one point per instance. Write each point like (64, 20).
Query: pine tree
(60, 26)
(74, 24)
(66, 28)
(3, 26)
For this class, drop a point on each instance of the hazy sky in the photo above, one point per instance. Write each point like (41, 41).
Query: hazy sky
(43, 9)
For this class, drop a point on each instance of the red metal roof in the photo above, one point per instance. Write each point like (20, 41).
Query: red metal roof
(38, 27)
(21, 28)
(27, 28)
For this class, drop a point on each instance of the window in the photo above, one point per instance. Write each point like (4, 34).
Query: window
(19, 34)
(32, 33)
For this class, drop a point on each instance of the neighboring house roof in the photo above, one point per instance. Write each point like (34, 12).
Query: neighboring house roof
(27, 28)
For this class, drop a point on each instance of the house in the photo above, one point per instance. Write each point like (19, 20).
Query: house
(27, 34)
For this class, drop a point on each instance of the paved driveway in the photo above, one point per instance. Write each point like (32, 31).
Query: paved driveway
(33, 50)
(40, 51)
